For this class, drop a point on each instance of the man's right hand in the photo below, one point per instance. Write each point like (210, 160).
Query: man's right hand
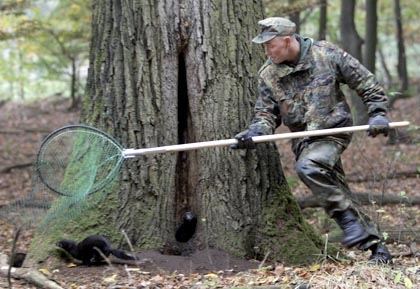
(245, 140)
(378, 125)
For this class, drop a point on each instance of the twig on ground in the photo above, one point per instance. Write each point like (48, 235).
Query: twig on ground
(263, 260)
(364, 199)
(12, 257)
(15, 166)
(413, 251)
(28, 274)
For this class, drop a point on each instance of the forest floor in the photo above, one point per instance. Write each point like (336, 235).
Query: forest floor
(372, 166)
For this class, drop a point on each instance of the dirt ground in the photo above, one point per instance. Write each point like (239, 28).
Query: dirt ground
(371, 166)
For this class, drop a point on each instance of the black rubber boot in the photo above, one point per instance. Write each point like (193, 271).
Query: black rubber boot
(354, 232)
(380, 254)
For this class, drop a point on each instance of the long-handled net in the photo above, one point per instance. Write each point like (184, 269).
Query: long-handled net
(78, 160)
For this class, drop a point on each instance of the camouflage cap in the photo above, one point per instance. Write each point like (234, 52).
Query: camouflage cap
(272, 27)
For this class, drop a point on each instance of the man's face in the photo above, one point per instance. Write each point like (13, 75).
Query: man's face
(276, 49)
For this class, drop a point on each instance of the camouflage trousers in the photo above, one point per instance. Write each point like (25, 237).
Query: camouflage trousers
(318, 164)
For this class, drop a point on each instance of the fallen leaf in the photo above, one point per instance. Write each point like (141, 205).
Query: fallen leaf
(407, 282)
(211, 275)
(44, 271)
(315, 267)
(397, 278)
(279, 270)
(110, 279)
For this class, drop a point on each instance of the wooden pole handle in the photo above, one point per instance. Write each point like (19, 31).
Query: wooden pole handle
(257, 139)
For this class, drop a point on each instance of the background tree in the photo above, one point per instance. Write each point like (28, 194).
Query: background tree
(298, 11)
(14, 25)
(322, 31)
(371, 33)
(352, 43)
(47, 41)
(62, 47)
(401, 66)
(164, 73)
(294, 15)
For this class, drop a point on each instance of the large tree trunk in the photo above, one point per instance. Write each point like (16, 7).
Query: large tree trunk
(352, 43)
(170, 72)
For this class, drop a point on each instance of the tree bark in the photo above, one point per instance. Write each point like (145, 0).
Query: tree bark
(402, 63)
(172, 72)
(371, 35)
(322, 31)
(295, 15)
(352, 43)
(386, 74)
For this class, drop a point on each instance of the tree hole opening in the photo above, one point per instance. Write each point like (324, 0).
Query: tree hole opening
(183, 104)
(183, 195)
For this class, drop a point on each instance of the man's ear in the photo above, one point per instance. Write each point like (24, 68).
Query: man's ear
(288, 40)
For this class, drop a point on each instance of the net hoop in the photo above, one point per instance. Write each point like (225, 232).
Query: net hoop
(85, 143)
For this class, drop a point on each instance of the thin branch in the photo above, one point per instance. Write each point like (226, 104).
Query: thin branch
(364, 199)
(15, 166)
(28, 274)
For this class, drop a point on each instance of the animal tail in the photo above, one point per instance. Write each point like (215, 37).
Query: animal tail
(123, 255)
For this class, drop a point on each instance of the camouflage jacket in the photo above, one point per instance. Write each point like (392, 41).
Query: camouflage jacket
(307, 96)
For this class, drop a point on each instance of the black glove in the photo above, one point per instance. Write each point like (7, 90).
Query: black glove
(245, 140)
(377, 125)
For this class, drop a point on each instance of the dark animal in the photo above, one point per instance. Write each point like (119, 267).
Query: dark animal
(91, 250)
(187, 228)
(18, 259)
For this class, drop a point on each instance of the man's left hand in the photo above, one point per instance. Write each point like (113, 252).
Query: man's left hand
(378, 125)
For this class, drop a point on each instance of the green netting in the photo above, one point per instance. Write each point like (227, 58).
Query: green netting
(72, 164)
(30, 210)
(78, 160)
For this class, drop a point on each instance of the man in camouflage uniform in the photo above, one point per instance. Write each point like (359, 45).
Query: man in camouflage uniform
(299, 85)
